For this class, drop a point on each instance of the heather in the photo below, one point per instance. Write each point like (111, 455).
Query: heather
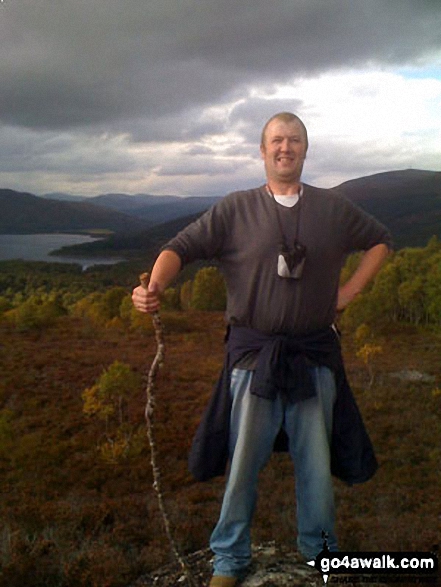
(77, 505)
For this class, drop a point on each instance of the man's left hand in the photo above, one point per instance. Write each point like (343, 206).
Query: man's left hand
(345, 296)
(369, 266)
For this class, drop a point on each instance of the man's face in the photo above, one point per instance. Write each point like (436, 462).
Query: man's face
(284, 151)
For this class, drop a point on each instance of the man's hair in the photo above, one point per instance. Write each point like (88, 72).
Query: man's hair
(284, 117)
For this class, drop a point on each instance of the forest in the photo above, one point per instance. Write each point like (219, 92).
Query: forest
(77, 506)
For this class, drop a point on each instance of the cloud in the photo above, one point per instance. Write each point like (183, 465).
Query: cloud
(102, 62)
(140, 93)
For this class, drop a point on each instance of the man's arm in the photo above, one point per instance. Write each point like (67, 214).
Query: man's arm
(165, 269)
(368, 268)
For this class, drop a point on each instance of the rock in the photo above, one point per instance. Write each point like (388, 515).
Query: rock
(413, 375)
(271, 567)
(275, 568)
(172, 575)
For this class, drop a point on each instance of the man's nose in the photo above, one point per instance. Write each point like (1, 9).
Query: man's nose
(285, 145)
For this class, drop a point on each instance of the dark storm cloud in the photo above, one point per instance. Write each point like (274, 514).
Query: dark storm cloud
(197, 167)
(23, 150)
(252, 114)
(148, 67)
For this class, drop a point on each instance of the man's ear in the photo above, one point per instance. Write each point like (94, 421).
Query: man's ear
(262, 151)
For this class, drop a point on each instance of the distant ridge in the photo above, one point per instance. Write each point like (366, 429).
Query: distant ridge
(136, 245)
(408, 202)
(24, 213)
(64, 197)
(154, 209)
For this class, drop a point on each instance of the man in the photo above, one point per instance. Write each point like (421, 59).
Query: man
(281, 248)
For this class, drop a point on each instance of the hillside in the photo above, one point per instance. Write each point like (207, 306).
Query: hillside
(70, 518)
(153, 209)
(407, 202)
(24, 213)
(136, 245)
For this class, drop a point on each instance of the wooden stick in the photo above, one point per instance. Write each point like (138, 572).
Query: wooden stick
(149, 413)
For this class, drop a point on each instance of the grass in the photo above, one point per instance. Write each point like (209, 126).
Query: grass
(68, 518)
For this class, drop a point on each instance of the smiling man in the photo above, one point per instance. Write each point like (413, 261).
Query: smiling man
(283, 148)
(281, 248)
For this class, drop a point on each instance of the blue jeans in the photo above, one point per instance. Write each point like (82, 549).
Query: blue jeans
(255, 423)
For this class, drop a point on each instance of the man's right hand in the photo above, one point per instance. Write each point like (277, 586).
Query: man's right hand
(147, 300)
(165, 269)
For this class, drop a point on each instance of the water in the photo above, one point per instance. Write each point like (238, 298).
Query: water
(36, 247)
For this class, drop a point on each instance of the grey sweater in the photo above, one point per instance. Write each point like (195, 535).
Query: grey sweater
(243, 234)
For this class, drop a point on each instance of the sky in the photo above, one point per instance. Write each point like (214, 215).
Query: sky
(169, 96)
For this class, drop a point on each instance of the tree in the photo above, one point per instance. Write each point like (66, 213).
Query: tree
(37, 312)
(433, 290)
(5, 305)
(209, 290)
(107, 400)
(367, 349)
(171, 299)
(186, 294)
(407, 289)
(412, 299)
(101, 308)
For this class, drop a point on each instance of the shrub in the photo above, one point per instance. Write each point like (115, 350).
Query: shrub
(368, 348)
(209, 291)
(101, 308)
(6, 433)
(171, 299)
(107, 400)
(36, 313)
(185, 295)
(4, 305)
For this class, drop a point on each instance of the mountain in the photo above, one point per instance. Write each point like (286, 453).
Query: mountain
(408, 202)
(155, 209)
(24, 213)
(131, 204)
(140, 244)
(64, 197)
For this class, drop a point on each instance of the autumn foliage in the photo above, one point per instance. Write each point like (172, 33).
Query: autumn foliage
(77, 507)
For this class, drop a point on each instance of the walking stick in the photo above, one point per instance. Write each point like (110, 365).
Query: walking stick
(149, 413)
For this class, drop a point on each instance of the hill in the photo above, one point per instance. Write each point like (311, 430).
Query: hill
(70, 518)
(154, 209)
(64, 197)
(24, 213)
(407, 202)
(136, 245)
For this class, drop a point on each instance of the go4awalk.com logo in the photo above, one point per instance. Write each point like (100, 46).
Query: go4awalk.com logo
(385, 567)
